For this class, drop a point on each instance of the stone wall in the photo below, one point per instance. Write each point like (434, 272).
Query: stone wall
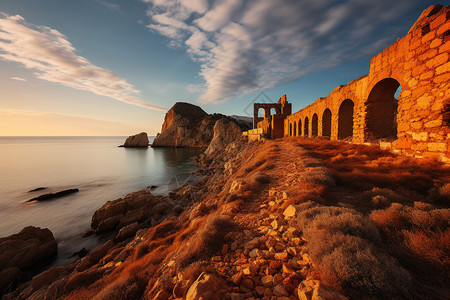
(367, 110)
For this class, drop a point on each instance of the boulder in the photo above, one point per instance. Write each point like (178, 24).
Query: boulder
(138, 140)
(50, 196)
(127, 232)
(207, 287)
(135, 207)
(22, 251)
(315, 290)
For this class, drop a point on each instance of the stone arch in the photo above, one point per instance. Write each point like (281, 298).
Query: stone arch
(306, 127)
(295, 128)
(315, 125)
(290, 129)
(326, 123)
(381, 110)
(345, 119)
(299, 127)
(273, 111)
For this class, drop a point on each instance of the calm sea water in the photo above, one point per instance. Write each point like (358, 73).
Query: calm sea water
(95, 165)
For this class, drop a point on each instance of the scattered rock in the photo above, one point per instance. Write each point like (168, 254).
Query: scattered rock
(37, 189)
(290, 211)
(206, 286)
(82, 253)
(280, 290)
(315, 290)
(50, 196)
(138, 140)
(322, 292)
(237, 278)
(267, 281)
(181, 287)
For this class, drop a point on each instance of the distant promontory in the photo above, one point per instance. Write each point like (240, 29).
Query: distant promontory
(187, 125)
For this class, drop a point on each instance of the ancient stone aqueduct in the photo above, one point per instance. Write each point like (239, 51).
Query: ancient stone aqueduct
(365, 110)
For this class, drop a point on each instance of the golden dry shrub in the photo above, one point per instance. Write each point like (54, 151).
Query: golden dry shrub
(346, 246)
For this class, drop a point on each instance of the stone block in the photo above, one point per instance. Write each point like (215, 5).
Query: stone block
(436, 43)
(435, 123)
(426, 75)
(441, 78)
(428, 37)
(422, 136)
(437, 147)
(441, 19)
(443, 28)
(443, 69)
(424, 101)
(437, 60)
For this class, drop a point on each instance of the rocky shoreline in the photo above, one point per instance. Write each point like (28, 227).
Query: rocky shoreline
(269, 220)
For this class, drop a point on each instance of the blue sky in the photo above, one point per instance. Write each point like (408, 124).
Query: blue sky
(99, 67)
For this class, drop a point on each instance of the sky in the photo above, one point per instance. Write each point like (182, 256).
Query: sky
(114, 67)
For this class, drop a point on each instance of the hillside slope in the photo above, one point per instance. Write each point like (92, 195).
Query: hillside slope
(291, 218)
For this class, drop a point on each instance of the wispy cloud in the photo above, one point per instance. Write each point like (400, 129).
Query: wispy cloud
(53, 58)
(18, 78)
(110, 5)
(245, 46)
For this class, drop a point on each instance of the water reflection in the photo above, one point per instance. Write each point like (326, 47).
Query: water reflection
(101, 170)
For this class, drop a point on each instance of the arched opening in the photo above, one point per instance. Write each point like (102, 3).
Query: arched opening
(299, 127)
(381, 110)
(305, 130)
(345, 119)
(295, 128)
(315, 125)
(290, 129)
(260, 112)
(273, 111)
(326, 123)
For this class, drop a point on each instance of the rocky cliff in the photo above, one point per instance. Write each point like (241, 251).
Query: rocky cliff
(187, 125)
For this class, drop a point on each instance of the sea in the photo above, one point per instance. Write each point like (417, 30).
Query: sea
(101, 171)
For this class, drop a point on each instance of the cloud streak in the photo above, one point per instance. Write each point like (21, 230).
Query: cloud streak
(18, 78)
(246, 46)
(54, 59)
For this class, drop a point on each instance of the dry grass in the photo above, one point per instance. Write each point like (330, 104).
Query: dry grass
(424, 232)
(346, 246)
(406, 199)
(126, 288)
(207, 241)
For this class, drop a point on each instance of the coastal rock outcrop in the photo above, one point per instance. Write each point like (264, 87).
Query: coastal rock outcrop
(22, 251)
(137, 140)
(186, 125)
(225, 133)
(133, 208)
(227, 138)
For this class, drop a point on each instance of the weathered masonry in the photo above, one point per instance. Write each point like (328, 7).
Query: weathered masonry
(272, 124)
(366, 110)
